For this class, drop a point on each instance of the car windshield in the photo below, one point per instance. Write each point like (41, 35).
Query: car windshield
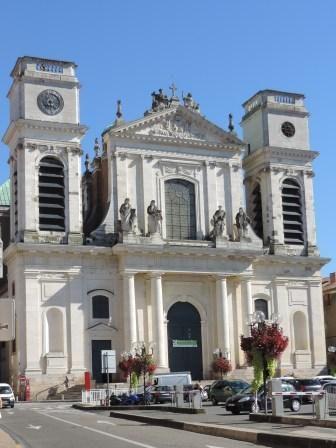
(5, 390)
(238, 385)
(247, 390)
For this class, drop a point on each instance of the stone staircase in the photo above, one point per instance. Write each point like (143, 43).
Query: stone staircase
(73, 393)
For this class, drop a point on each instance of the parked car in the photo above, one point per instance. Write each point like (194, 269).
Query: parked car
(206, 390)
(221, 390)
(246, 400)
(162, 394)
(324, 378)
(7, 395)
(306, 385)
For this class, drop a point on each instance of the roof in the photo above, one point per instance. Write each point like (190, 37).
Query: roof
(5, 194)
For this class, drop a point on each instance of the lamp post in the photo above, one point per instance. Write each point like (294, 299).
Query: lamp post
(258, 321)
(144, 363)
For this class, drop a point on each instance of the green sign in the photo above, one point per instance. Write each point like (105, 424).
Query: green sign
(184, 343)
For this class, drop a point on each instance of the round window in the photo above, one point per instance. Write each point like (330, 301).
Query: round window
(288, 129)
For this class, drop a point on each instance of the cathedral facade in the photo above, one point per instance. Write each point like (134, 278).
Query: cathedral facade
(176, 233)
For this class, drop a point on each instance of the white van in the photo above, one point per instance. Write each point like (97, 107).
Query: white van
(172, 379)
(6, 395)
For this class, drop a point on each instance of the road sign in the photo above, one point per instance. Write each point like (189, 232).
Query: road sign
(108, 361)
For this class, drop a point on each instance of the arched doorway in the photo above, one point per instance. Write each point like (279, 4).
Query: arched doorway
(185, 340)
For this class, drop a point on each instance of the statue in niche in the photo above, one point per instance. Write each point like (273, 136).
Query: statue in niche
(242, 223)
(218, 222)
(154, 218)
(127, 216)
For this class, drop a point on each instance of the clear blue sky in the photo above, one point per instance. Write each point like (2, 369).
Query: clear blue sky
(222, 51)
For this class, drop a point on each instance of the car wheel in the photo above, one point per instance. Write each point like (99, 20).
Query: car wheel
(295, 405)
(255, 407)
(214, 401)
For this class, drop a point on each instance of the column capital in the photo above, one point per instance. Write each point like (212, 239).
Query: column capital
(155, 274)
(127, 274)
(218, 277)
(246, 277)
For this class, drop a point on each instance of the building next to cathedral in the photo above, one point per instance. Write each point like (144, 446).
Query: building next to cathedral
(176, 233)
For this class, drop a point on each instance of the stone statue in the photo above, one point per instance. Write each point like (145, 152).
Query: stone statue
(242, 223)
(127, 216)
(218, 222)
(154, 218)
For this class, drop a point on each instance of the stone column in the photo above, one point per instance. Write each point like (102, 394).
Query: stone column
(130, 336)
(247, 301)
(223, 326)
(158, 321)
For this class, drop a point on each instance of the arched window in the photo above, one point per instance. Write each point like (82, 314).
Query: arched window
(55, 341)
(100, 307)
(261, 305)
(300, 331)
(292, 212)
(257, 222)
(51, 195)
(180, 210)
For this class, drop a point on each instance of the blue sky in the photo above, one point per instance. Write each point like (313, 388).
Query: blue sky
(222, 51)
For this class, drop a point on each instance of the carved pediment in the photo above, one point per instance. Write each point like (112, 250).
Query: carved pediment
(178, 124)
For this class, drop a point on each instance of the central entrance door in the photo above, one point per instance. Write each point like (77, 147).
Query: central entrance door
(185, 340)
(97, 346)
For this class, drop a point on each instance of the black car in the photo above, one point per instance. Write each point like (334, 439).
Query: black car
(249, 401)
(221, 390)
(306, 385)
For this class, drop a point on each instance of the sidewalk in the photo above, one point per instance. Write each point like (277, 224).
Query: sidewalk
(285, 432)
(6, 441)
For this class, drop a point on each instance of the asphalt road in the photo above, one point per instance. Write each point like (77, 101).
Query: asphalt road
(51, 425)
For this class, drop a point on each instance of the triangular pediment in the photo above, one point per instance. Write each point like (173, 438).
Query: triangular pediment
(177, 124)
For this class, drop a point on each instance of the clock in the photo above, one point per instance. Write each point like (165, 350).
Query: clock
(288, 129)
(50, 102)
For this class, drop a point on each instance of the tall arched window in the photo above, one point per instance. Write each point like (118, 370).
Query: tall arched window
(100, 307)
(292, 212)
(261, 305)
(180, 211)
(55, 340)
(51, 195)
(300, 331)
(257, 222)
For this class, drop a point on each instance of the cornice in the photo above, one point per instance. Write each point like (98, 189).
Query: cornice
(18, 249)
(272, 154)
(20, 124)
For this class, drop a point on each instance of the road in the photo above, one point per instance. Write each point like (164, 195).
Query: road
(51, 425)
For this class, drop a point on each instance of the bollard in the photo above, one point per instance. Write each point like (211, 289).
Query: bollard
(275, 385)
(196, 400)
(320, 406)
(179, 396)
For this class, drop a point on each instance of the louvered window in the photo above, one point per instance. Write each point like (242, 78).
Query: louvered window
(257, 222)
(51, 195)
(180, 210)
(292, 212)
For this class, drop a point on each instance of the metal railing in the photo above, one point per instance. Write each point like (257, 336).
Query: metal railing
(101, 397)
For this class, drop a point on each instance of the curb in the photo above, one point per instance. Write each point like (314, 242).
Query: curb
(245, 435)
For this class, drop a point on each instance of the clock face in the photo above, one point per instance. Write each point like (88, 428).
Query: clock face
(50, 102)
(288, 129)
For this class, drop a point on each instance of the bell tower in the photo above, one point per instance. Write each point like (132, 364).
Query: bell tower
(278, 172)
(45, 155)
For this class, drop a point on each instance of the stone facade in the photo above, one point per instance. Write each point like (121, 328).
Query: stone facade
(104, 278)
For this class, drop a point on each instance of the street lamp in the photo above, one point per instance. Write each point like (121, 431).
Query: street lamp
(144, 362)
(258, 321)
